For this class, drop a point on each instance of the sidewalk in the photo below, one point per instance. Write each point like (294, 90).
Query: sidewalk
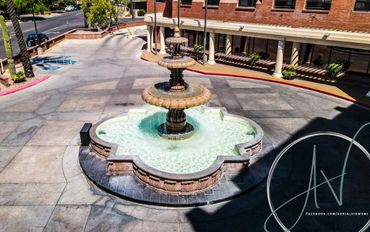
(45, 16)
(353, 93)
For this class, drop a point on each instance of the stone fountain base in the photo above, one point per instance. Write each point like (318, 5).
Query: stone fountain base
(128, 186)
(129, 177)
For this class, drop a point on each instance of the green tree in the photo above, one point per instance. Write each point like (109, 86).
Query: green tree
(8, 47)
(25, 57)
(98, 13)
(118, 8)
(26, 6)
(2, 5)
(86, 4)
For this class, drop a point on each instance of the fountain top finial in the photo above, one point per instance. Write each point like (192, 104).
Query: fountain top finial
(176, 39)
(177, 32)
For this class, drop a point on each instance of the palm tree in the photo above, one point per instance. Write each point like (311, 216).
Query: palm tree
(8, 47)
(25, 57)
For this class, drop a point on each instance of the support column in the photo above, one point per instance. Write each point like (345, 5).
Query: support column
(245, 47)
(228, 44)
(149, 38)
(211, 57)
(162, 43)
(294, 58)
(308, 53)
(279, 60)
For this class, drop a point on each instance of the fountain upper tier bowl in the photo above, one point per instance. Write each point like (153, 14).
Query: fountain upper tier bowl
(160, 95)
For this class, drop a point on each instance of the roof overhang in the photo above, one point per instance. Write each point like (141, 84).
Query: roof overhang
(357, 40)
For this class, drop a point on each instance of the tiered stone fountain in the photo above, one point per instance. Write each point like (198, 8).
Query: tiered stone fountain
(176, 95)
(157, 154)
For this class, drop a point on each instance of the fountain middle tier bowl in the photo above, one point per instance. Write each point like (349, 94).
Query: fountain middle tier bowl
(181, 62)
(160, 95)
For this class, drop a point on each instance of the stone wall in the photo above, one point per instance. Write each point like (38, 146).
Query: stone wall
(84, 34)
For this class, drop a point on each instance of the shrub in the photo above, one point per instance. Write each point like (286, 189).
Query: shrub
(289, 73)
(264, 55)
(19, 77)
(197, 51)
(141, 12)
(197, 48)
(338, 67)
(253, 58)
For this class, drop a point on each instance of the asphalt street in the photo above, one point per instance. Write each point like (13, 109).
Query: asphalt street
(52, 27)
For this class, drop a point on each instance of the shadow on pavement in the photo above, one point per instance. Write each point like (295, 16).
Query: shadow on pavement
(249, 211)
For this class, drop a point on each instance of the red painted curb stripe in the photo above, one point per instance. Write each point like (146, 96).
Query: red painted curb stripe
(278, 82)
(26, 86)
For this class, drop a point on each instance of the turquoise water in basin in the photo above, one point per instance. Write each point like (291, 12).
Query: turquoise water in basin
(214, 135)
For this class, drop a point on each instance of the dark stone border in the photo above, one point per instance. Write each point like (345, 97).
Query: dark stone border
(127, 186)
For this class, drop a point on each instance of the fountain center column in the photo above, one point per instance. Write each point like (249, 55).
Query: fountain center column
(176, 127)
(176, 120)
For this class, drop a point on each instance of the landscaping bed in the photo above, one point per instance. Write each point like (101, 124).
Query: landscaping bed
(14, 87)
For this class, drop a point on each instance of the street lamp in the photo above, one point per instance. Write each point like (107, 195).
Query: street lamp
(178, 14)
(34, 22)
(205, 32)
(132, 7)
(155, 26)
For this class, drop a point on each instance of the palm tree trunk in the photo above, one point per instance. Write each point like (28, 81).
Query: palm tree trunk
(8, 47)
(25, 58)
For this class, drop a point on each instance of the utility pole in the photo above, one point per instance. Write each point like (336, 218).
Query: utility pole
(39, 48)
(205, 33)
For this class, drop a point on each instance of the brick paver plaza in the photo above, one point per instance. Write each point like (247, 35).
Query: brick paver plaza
(42, 187)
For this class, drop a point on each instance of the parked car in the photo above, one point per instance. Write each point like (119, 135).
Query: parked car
(32, 39)
(3, 13)
(70, 8)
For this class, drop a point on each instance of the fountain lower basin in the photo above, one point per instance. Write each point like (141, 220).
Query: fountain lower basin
(221, 143)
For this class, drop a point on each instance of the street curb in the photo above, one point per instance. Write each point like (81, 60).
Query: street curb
(26, 86)
(276, 82)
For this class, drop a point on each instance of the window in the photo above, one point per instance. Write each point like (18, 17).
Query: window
(213, 2)
(186, 2)
(247, 3)
(318, 4)
(284, 4)
(362, 5)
